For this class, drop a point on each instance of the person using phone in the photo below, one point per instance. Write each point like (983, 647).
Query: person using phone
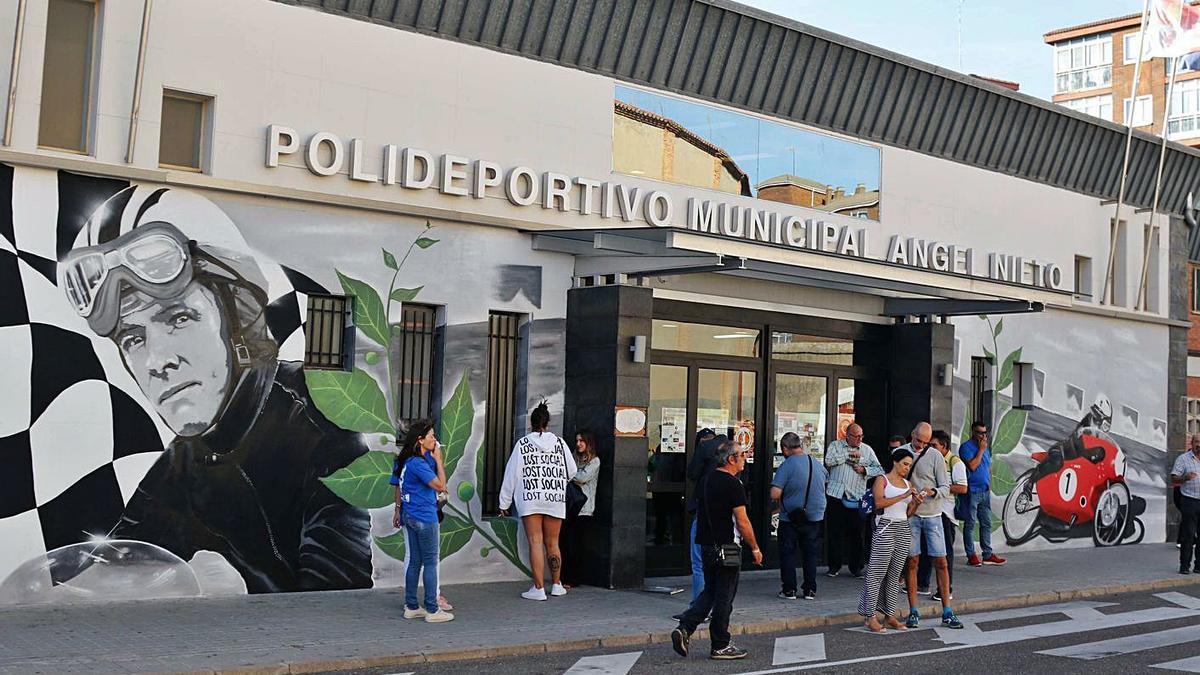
(977, 454)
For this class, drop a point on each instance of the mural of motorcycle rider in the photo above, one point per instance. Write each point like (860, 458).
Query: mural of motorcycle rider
(1098, 419)
(167, 277)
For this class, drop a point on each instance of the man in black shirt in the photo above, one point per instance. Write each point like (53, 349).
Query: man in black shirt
(722, 504)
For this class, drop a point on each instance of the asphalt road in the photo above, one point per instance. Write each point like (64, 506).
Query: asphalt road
(1114, 634)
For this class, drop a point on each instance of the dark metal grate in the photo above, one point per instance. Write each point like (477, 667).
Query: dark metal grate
(503, 343)
(325, 332)
(979, 366)
(414, 380)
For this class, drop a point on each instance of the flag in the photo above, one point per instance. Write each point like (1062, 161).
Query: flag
(1173, 28)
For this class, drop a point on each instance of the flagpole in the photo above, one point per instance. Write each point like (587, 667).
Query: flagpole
(1173, 63)
(1116, 223)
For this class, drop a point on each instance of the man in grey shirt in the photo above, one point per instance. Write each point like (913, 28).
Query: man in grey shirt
(929, 477)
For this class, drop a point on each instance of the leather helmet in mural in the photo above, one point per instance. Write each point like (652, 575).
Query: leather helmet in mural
(167, 276)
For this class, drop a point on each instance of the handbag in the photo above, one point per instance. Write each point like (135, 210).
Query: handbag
(728, 555)
(962, 506)
(798, 516)
(575, 496)
(866, 503)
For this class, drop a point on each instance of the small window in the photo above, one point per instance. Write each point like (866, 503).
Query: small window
(503, 355)
(1193, 416)
(417, 362)
(328, 332)
(980, 386)
(183, 132)
(1083, 277)
(1117, 291)
(1196, 290)
(67, 73)
(1024, 387)
(1132, 42)
(1142, 115)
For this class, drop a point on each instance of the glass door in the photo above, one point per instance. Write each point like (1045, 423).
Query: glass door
(801, 406)
(683, 400)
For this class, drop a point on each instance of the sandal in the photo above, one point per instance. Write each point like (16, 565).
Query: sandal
(893, 622)
(874, 626)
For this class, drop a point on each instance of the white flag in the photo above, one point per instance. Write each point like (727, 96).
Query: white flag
(1173, 28)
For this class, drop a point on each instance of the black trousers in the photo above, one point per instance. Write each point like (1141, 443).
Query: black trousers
(1189, 508)
(574, 548)
(720, 587)
(844, 536)
(802, 538)
(925, 566)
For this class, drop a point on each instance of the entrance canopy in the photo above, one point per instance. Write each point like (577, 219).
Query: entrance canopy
(906, 290)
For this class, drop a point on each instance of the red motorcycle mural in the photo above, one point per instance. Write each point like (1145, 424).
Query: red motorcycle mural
(1078, 482)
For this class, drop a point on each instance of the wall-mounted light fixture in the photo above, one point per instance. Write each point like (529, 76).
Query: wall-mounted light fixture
(945, 374)
(637, 347)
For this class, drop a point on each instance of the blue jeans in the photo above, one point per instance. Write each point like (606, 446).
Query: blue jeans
(697, 564)
(980, 512)
(804, 538)
(422, 552)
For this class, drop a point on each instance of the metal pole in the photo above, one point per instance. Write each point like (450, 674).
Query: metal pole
(137, 83)
(1137, 72)
(1162, 158)
(14, 71)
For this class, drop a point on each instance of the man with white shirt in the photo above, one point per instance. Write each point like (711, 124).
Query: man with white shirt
(1186, 475)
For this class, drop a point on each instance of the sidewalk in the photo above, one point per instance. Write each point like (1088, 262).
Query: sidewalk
(302, 632)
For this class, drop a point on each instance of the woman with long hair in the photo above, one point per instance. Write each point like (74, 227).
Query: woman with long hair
(897, 500)
(535, 482)
(577, 528)
(419, 484)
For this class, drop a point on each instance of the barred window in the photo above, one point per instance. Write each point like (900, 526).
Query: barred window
(1193, 416)
(979, 375)
(416, 361)
(327, 333)
(504, 339)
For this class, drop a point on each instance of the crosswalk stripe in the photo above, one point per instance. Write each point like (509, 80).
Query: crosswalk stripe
(1181, 599)
(1188, 665)
(972, 635)
(1127, 644)
(607, 664)
(799, 649)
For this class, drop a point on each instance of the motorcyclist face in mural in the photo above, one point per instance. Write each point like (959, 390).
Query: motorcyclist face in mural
(177, 351)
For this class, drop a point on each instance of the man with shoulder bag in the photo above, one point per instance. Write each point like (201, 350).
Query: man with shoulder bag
(799, 486)
(721, 517)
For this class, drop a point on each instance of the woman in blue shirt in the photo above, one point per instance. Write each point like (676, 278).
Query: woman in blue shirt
(420, 481)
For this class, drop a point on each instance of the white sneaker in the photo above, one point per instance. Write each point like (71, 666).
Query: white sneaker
(534, 593)
(557, 590)
(414, 613)
(440, 616)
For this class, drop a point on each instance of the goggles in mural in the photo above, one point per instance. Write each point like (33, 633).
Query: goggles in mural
(153, 258)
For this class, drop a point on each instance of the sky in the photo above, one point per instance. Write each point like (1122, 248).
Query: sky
(1000, 38)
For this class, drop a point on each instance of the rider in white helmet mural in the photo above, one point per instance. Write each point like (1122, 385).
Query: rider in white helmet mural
(1096, 421)
(167, 276)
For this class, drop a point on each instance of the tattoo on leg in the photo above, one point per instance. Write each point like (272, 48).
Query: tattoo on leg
(555, 563)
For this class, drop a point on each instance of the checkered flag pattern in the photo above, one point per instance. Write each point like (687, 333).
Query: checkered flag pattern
(76, 434)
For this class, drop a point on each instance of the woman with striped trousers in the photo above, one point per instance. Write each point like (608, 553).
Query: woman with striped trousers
(890, 544)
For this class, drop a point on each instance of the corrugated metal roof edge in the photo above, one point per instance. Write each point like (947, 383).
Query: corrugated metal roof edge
(872, 50)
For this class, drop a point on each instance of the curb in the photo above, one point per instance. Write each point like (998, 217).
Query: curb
(638, 639)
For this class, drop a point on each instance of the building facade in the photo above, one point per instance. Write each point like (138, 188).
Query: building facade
(1093, 66)
(239, 255)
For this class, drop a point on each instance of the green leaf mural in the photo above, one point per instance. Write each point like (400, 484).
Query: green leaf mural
(466, 491)
(457, 416)
(1003, 480)
(365, 483)
(392, 545)
(369, 316)
(480, 464)
(999, 327)
(426, 242)
(405, 294)
(353, 400)
(389, 260)
(455, 533)
(506, 532)
(1009, 432)
(990, 356)
(1006, 370)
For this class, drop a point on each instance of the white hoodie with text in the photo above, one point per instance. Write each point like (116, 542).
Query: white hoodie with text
(536, 476)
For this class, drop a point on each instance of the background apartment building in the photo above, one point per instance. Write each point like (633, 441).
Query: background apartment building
(1093, 69)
